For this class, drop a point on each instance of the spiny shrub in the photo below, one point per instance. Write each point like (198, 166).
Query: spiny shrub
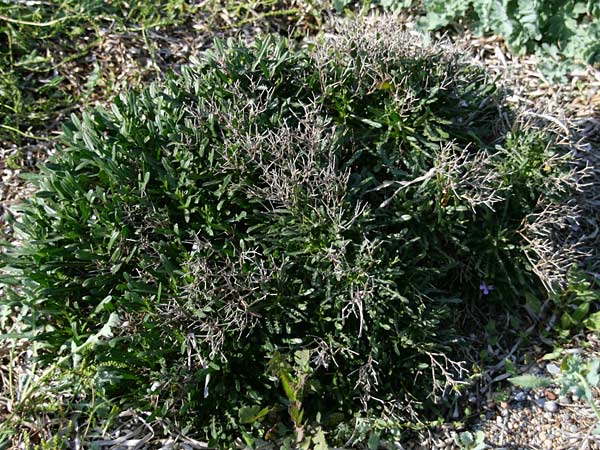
(281, 241)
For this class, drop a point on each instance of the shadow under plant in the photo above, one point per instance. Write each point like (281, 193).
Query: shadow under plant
(283, 245)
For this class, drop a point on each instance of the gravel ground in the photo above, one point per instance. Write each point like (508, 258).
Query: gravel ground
(513, 418)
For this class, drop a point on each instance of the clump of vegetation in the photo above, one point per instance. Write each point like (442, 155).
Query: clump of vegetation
(57, 58)
(39, 43)
(565, 34)
(281, 244)
(577, 376)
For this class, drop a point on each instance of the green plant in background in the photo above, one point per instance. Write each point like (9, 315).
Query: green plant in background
(309, 222)
(577, 376)
(466, 441)
(564, 34)
(342, 6)
(38, 41)
(576, 305)
(59, 56)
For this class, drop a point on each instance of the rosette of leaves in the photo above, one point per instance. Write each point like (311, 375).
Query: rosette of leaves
(277, 240)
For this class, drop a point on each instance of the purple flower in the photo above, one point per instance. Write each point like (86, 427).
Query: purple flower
(486, 288)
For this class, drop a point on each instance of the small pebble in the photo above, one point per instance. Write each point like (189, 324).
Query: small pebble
(542, 436)
(553, 369)
(520, 396)
(541, 402)
(574, 351)
(550, 395)
(551, 406)
(564, 400)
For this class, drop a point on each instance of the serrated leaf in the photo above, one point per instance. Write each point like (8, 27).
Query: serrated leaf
(593, 377)
(112, 322)
(302, 359)
(320, 441)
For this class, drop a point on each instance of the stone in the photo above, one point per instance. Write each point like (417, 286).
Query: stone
(551, 406)
(542, 436)
(520, 396)
(565, 400)
(553, 369)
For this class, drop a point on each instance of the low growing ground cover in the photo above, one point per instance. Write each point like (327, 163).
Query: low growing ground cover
(564, 34)
(58, 57)
(283, 244)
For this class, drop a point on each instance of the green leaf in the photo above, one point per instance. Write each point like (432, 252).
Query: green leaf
(593, 377)
(553, 355)
(248, 439)
(530, 381)
(510, 366)
(320, 443)
(533, 303)
(371, 123)
(480, 441)
(581, 312)
(105, 301)
(374, 440)
(593, 322)
(252, 414)
(288, 386)
(566, 321)
(464, 439)
(340, 5)
(302, 359)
